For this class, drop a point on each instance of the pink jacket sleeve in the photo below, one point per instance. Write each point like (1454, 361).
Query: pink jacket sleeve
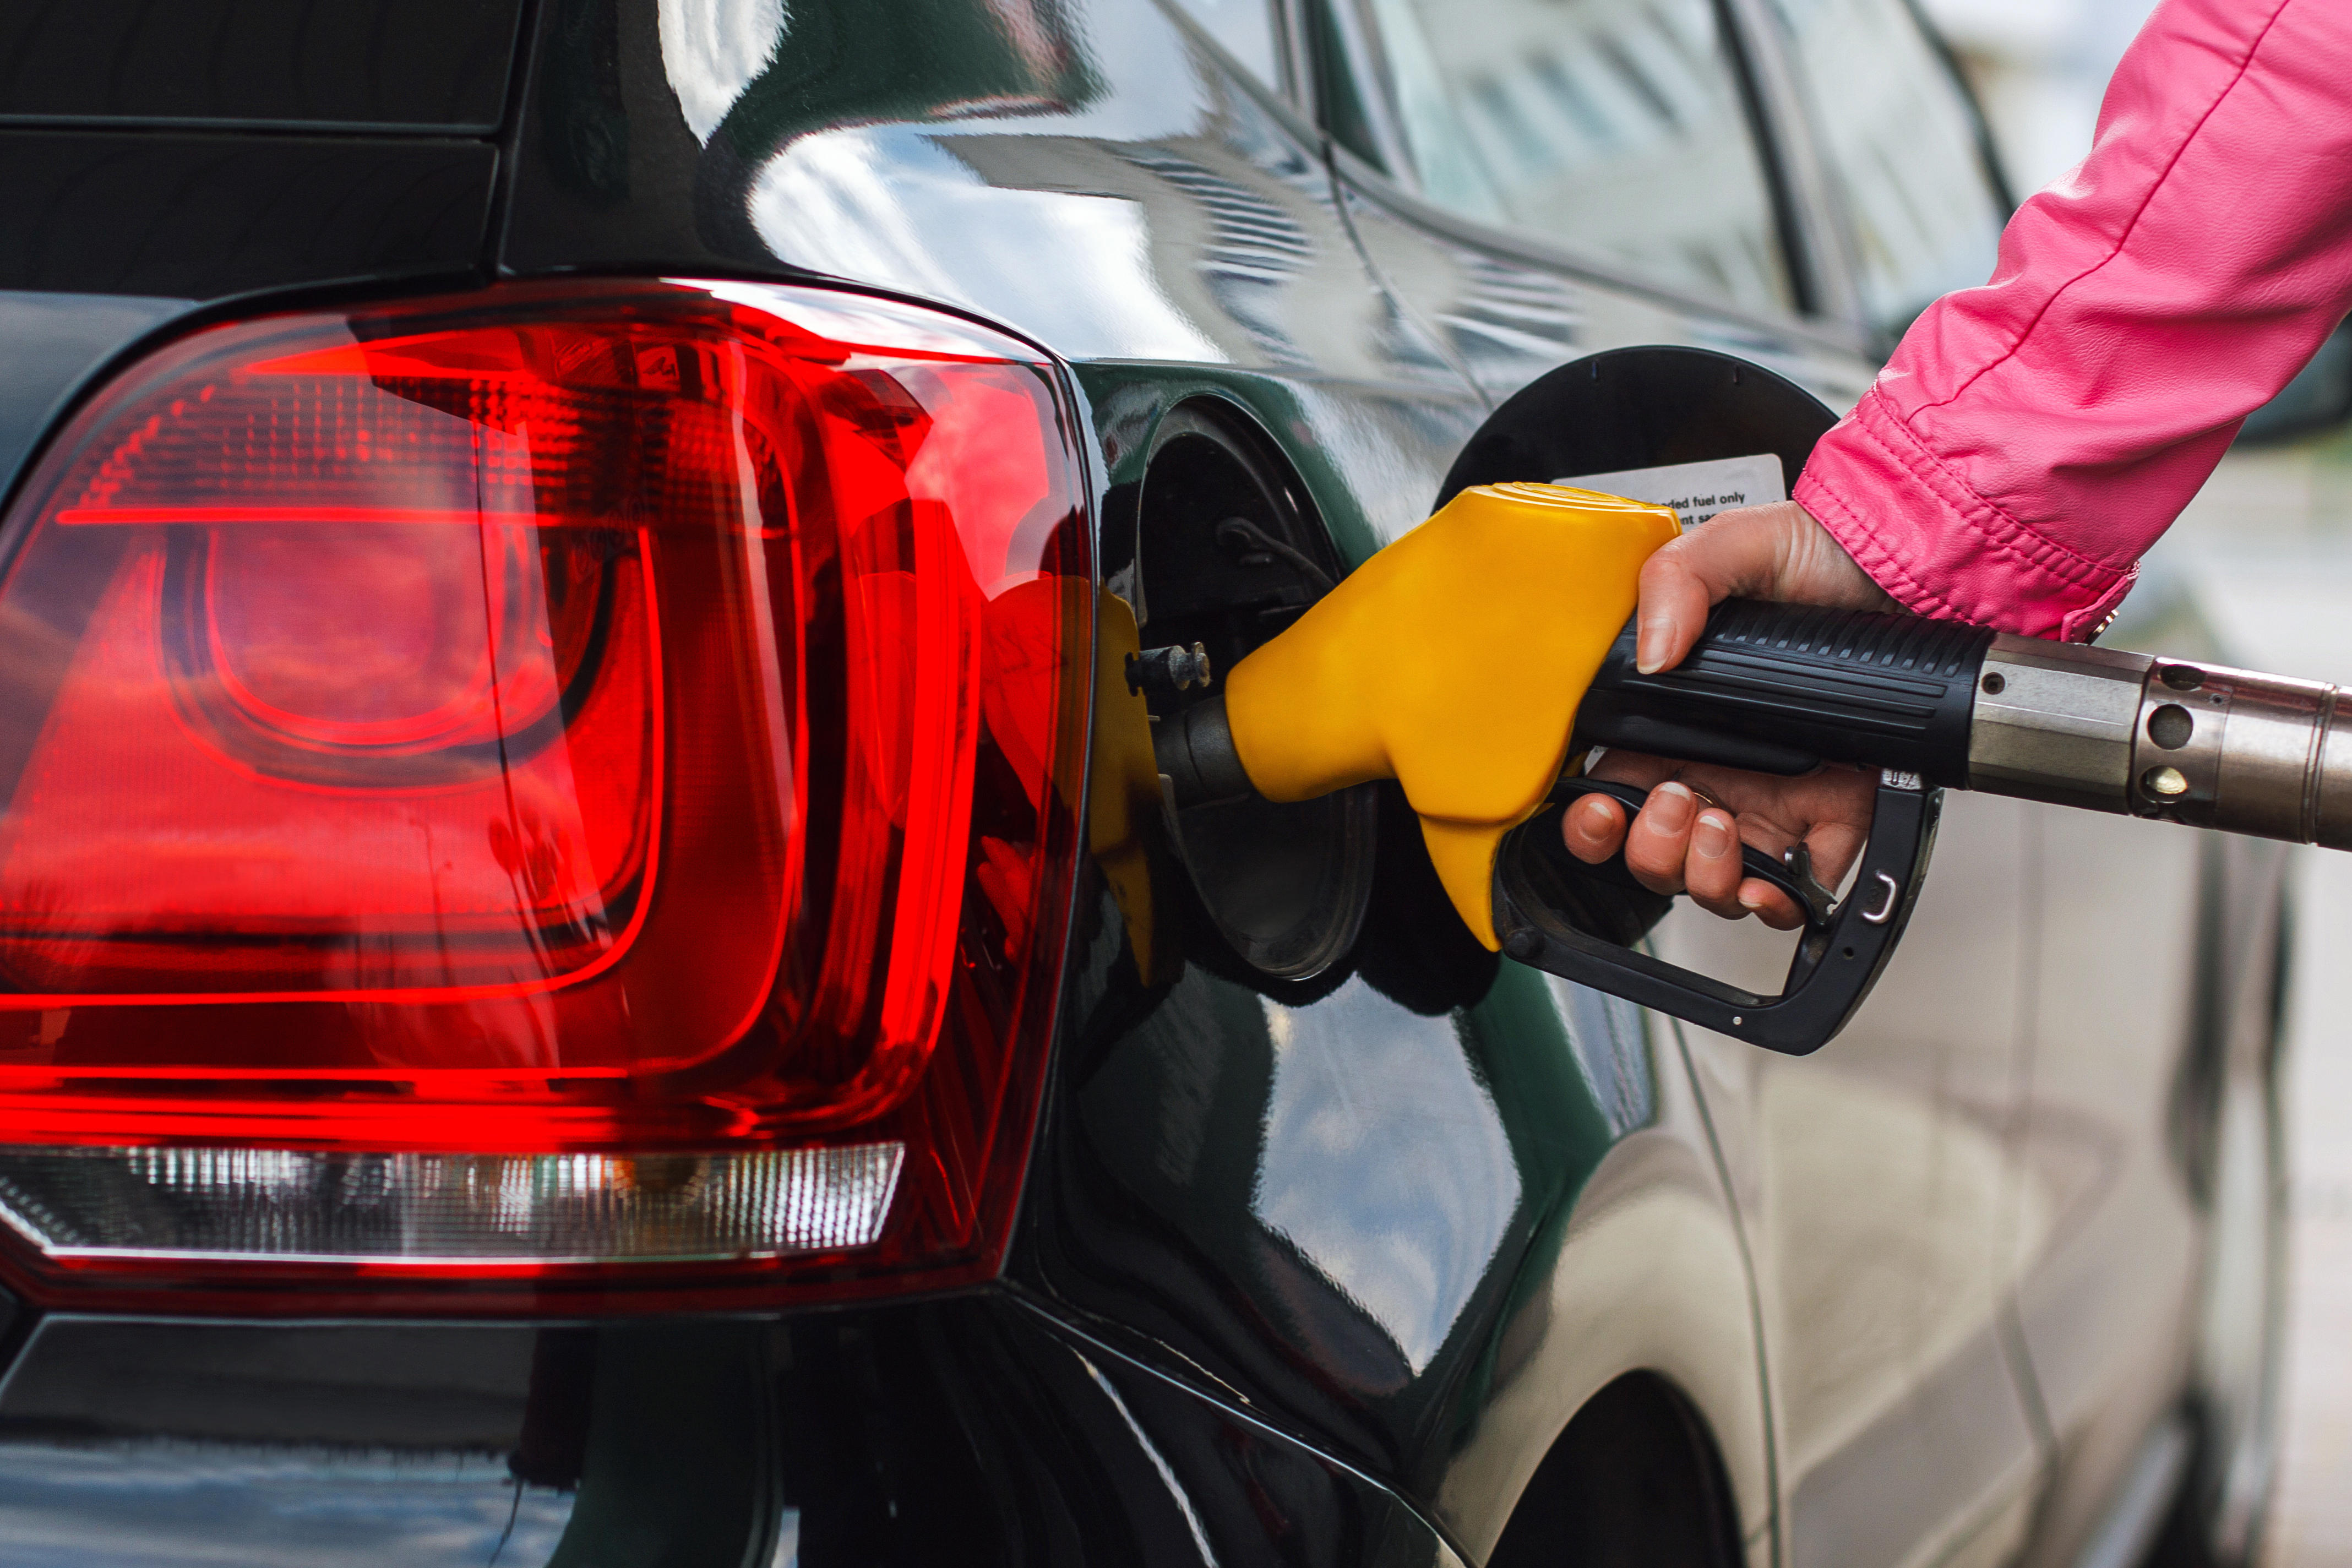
(2031, 437)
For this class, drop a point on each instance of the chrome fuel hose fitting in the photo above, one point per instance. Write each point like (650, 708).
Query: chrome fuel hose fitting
(2054, 721)
(2176, 740)
(2231, 749)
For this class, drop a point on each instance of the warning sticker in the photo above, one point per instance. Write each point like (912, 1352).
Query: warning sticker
(1696, 490)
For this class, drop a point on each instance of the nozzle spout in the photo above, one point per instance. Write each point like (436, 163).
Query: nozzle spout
(1196, 755)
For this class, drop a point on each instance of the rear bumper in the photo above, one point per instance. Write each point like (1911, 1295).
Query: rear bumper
(971, 1429)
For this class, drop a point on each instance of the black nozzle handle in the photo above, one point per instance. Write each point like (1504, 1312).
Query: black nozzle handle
(1781, 689)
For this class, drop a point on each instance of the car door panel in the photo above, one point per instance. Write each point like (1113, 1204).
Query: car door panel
(1876, 1178)
(2110, 1240)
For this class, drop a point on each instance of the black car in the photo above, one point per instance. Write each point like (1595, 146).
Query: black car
(591, 972)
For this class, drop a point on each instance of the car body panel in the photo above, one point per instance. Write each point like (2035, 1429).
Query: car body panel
(201, 216)
(1215, 241)
(428, 66)
(1508, 311)
(967, 1428)
(1309, 1272)
(1419, 1237)
(1877, 1179)
(1207, 224)
(1649, 1273)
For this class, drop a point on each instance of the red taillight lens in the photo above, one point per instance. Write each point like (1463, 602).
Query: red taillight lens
(537, 784)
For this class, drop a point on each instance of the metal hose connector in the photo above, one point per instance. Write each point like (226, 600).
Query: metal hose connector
(2176, 740)
(2245, 753)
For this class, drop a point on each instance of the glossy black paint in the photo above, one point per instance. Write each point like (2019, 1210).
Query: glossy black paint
(1203, 212)
(619, 174)
(430, 65)
(52, 343)
(970, 1429)
(199, 217)
(1470, 1099)
(1326, 1201)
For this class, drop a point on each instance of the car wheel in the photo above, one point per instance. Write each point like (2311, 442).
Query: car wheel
(1634, 1482)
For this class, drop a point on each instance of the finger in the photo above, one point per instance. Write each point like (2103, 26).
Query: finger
(1711, 873)
(1737, 552)
(1594, 827)
(1675, 600)
(1761, 550)
(1838, 809)
(1773, 551)
(1809, 554)
(1659, 841)
(1769, 904)
(1836, 839)
(1834, 846)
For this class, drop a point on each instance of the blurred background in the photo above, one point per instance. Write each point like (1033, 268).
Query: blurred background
(2267, 552)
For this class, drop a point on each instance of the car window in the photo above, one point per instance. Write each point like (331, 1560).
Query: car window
(1612, 126)
(1246, 28)
(1904, 150)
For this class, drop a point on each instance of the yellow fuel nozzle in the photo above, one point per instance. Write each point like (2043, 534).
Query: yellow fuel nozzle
(1453, 661)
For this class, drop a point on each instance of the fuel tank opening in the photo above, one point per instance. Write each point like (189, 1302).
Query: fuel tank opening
(1228, 556)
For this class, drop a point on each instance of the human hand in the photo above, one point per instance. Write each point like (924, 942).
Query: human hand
(1687, 837)
(1777, 552)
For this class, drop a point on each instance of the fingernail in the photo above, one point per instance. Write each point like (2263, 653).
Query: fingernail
(1650, 646)
(1712, 836)
(1672, 802)
(1751, 898)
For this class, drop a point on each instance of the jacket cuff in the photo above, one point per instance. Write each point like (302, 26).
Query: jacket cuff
(1939, 548)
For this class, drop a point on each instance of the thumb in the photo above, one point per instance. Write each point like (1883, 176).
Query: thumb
(1734, 552)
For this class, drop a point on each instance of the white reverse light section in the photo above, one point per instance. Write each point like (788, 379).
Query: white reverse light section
(291, 1204)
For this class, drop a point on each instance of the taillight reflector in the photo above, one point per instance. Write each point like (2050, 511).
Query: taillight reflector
(536, 786)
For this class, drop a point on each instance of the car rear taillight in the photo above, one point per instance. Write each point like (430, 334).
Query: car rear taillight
(569, 785)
